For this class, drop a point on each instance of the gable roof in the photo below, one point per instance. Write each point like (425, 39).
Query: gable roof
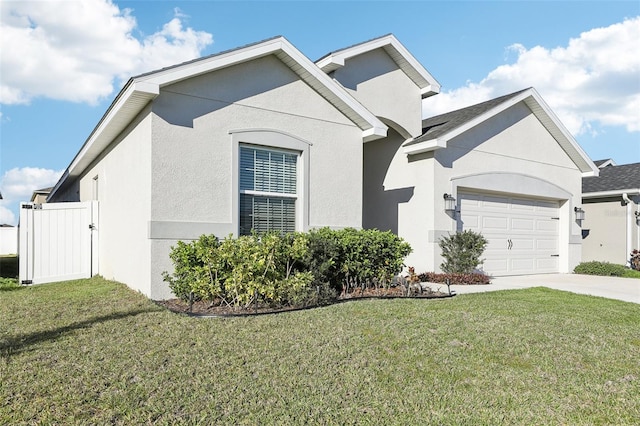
(613, 180)
(428, 85)
(604, 163)
(438, 130)
(142, 89)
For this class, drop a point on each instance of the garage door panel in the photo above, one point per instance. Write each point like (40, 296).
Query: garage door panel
(497, 266)
(494, 203)
(522, 244)
(547, 225)
(549, 264)
(522, 265)
(523, 224)
(495, 223)
(547, 244)
(522, 233)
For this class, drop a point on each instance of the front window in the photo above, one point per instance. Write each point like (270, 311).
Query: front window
(268, 190)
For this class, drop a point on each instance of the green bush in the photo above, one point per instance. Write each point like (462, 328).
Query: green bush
(350, 258)
(239, 271)
(600, 268)
(9, 284)
(296, 269)
(461, 251)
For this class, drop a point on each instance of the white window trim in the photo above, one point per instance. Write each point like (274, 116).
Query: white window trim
(273, 140)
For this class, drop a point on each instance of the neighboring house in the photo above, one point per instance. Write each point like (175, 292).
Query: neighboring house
(276, 141)
(611, 201)
(39, 196)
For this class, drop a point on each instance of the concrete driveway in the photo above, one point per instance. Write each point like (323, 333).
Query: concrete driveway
(626, 289)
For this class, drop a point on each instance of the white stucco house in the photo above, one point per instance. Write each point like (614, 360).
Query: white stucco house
(261, 137)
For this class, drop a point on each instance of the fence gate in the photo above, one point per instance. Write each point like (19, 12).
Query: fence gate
(58, 241)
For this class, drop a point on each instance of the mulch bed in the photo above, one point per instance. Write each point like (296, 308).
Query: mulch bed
(207, 308)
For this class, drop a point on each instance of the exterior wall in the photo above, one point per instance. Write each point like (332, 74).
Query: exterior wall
(606, 227)
(197, 125)
(375, 80)
(122, 189)
(510, 153)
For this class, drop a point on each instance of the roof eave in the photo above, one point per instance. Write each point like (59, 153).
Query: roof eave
(548, 119)
(424, 146)
(133, 97)
(612, 193)
(139, 91)
(428, 85)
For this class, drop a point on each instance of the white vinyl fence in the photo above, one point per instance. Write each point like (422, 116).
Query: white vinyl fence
(58, 241)
(8, 240)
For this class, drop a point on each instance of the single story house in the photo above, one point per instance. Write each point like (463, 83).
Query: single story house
(261, 137)
(611, 201)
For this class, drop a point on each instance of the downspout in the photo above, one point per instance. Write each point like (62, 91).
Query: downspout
(630, 220)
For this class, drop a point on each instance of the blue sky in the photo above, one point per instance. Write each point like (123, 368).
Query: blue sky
(63, 62)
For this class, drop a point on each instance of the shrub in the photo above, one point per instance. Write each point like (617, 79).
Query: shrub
(239, 271)
(370, 258)
(9, 284)
(295, 269)
(461, 251)
(600, 268)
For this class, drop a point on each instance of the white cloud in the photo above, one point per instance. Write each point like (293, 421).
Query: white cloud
(76, 50)
(18, 184)
(593, 81)
(7, 216)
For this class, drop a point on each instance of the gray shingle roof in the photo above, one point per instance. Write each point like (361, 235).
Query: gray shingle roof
(613, 178)
(439, 125)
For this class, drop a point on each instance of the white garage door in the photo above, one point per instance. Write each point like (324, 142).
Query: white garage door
(522, 232)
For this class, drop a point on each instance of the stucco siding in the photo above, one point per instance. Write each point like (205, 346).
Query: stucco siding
(511, 153)
(195, 126)
(398, 196)
(516, 144)
(123, 181)
(607, 225)
(375, 80)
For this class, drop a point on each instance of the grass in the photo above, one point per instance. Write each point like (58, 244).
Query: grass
(94, 352)
(631, 273)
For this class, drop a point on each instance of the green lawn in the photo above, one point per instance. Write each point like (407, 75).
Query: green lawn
(94, 352)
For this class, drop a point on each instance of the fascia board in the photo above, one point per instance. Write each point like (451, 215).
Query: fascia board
(428, 87)
(614, 193)
(425, 146)
(379, 128)
(548, 119)
(374, 133)
(481, 118)
(177, 74)
(275, 46)
(122, 111)
(588, 167)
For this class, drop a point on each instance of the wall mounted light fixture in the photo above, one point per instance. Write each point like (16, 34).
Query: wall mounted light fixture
(449, 203)
(580, 215)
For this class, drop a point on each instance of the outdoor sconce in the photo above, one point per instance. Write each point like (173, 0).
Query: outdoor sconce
(449, 203)
(579, 213)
